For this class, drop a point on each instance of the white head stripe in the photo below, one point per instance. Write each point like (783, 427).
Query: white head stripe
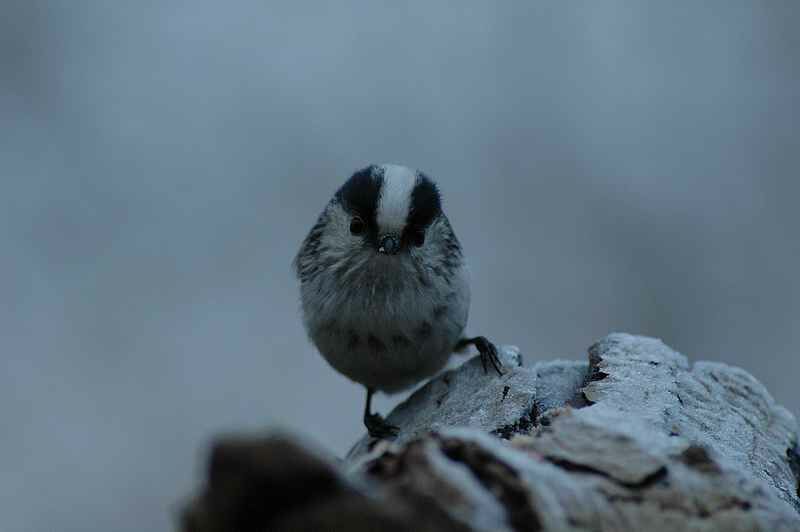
(395, 199)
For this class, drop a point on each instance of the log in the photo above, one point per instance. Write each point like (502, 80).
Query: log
(637, 438)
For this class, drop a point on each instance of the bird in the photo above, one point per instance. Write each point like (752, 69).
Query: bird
(384, 287)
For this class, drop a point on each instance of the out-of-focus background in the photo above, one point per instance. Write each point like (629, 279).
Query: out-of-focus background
(609, 166)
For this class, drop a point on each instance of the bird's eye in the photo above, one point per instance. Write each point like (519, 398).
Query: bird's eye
(357, 226)
(418, 238)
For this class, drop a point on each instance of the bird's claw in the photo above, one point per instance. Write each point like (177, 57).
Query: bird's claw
(488, 353)
(379, 428)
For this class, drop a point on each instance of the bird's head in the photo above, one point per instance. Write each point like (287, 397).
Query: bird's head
(386, 209)
(383, 223)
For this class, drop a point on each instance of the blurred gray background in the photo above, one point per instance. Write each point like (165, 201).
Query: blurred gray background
(609, 166)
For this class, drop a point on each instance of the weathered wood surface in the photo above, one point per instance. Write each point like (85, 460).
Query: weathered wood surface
(637, 439)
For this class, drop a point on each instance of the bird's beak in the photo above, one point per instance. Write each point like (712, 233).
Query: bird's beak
(388, 244)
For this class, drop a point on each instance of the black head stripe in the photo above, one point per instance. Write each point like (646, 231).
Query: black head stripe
(359, 195)
(426, 204)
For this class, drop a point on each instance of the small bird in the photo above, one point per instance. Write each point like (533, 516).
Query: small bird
(384, 287)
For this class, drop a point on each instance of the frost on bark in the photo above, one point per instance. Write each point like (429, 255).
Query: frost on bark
(637, 439)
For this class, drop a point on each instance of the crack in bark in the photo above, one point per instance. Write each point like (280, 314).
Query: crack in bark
(410, 478)
(700, 513)
(594, 374)
(653, 478)
(523, 425)
(697, 457)
(594, 364)
(498, 478)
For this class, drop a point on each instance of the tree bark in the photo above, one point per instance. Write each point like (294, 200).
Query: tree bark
(637, 439)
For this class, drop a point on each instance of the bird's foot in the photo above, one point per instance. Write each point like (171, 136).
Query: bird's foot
(488, 353)
(378, 427)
